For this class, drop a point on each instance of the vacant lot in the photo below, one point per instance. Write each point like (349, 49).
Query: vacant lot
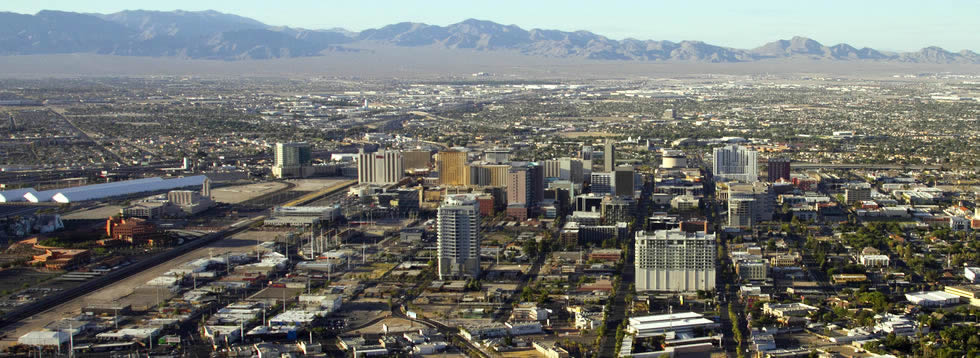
(239, 193)
(14, 279)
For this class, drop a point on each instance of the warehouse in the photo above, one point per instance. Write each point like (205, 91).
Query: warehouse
(43, 338)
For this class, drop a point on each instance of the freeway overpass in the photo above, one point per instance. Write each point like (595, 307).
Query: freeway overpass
(804, 165)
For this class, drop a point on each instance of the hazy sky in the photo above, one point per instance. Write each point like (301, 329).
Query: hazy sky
(882, 24)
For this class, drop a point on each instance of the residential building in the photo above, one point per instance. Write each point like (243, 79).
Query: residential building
(779, 168)
(458, 230)
(674, 260)
(735, 162)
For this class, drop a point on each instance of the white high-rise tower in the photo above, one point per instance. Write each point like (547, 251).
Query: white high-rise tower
(458, 227)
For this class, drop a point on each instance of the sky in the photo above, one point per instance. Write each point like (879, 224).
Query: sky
(894, 25)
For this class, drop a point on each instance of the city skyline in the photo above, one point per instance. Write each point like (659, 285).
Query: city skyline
(907, 26)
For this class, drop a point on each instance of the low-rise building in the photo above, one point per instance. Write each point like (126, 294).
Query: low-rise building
(874, 260)
(932, 298)
(969, 292)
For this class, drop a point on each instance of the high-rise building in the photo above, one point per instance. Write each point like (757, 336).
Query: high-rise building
(416, 159)
(624, 181)
(675, 261)
(519, 187)
(586, 153)
(609, 156)
(525, 185)
(749, 204)
(616, 210)
(292, 160)
(670, 114)
(498, 174)
(588, 202)
(382, 168)
(564, 169)
(452, 168)
(458, 229)
(497, 155)
(602, 183)
(857, 192)
(779, 168)
(479, 175)
(735, 162)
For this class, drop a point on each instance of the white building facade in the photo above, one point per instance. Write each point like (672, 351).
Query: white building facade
(458, 227)
(675, 261)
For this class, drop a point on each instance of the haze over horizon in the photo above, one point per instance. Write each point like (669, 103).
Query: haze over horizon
(908, 25)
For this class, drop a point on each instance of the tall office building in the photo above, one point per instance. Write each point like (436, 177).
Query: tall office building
(735, 162)
(779, 168)
(564, 169)
(458, 229)
(293, 160)
(480, 175)
(856, 192)
(624, 181)
(518, 187)
(452, 168)
(380, 168)
(675, 261)
(586, 153)
(602, 183)
(416, 159)
(749, 204)
(609, 156)
(525, 185)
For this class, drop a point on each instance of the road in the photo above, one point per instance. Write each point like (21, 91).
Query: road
(507, 307)
(617, 313)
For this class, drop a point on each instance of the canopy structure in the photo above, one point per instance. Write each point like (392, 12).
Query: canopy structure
(9, 196)
(108, 190)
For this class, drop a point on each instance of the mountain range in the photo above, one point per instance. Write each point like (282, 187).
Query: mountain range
(215, 35)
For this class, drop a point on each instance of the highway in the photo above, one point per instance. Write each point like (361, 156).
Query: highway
(799, 165)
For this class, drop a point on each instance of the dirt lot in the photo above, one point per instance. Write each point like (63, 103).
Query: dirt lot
(315, 184)
(100, 212)
(239, 193)
(13, 279)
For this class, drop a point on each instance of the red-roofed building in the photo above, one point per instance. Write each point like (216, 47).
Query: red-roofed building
(134, 230)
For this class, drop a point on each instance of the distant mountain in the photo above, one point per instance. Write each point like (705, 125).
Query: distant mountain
(180, 24)
(215, 35)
